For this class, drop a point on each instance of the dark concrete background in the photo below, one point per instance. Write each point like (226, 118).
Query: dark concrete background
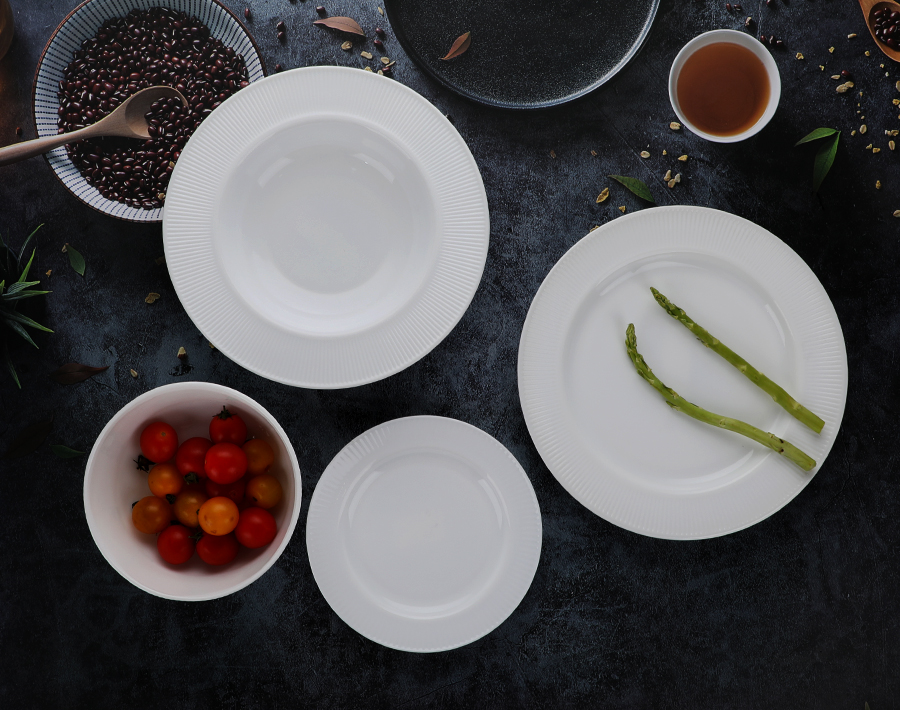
(799, 611)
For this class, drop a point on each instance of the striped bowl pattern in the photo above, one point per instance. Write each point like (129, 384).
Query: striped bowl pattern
(807, 311)
(81, 24)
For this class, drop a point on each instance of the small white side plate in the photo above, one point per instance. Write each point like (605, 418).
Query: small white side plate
(424, 534)
(326, 227)
(609, 437)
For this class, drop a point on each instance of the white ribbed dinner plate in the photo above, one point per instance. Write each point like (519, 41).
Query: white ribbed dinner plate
(424, 534)
(610, 439)
(326, 227)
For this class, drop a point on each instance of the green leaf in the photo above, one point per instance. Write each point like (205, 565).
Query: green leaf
(816, 134)
(25, 244)
(30, 438)
(23, 294)
(7, 359)
(638, 187)
(75, 259)
(24, 320)
(27, 267)
(20, 330)
(19, 285)
(824, 160)
(64, 452)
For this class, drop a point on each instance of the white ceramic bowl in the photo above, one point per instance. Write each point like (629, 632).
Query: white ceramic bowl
(112, 483)
(744, 40)
(81, 24)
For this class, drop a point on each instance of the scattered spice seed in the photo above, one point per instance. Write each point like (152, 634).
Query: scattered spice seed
(878, 184)
(182, 353)
(845, 87)
(552, 153)
(367, 55)
(379, 32)
(677, 177)
(151, 297)
(133, 373)
(853, 132)
(50, 271)
(622, 209)
(665, 152)
(594, 153)
(671, 183)
(380, 11)
(280, 26)
(379, 45)
(835, 76)
(320, 9)
(869, 147)
(748, 22)
(604, 194)
(281, 36)
(675, 126)
(896, 213)
(831, 50)
(846, 74)
(278, 68)
(645, 154)
(385, 60)
(211, 346)
(19, 131)
(876, 150)
(347, 46)
(868, 53)
(667, 176)
(367, 69)
(683, 158)
(246, 17)
(892, 145)
(821, 67)
(799, 55)
(863, 129)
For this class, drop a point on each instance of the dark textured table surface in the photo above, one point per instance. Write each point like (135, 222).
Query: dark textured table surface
(799, 611)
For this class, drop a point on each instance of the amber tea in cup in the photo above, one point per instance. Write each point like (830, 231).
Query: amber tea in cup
(724, 86)
(723, 89)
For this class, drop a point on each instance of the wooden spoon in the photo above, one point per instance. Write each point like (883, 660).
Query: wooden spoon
(126, 121)
(869, 7)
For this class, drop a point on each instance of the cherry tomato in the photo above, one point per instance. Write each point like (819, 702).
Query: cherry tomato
(259, 456)
(235, 490)
(190, 456)
(217, 549)
(165, 480)
(256, 528)
(151, 514)
(187, 507)
(159, 442)
(219, 516)
(264, 490)
(225, 463)
(175, 545)
(227, 427)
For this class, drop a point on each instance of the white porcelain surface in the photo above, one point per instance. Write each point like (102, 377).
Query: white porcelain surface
(609, 437)
(744, 40)
(424, 534)
(326, 227)
(82, 24)
(112, 484)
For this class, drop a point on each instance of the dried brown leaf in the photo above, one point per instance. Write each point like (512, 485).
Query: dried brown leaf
(342, 24)
(73, 373)
(459, 46)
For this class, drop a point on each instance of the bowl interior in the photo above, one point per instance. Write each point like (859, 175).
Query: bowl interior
(81, 24)
(746, 41)
(113, 483)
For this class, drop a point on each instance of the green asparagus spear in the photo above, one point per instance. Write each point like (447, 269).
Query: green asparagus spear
(791, 405)
(680, 404)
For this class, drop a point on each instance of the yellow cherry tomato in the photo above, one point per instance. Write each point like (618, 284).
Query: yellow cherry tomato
(219, 516)
(151, 515)
(264, 491)
(187, 507)
(259, 456)
(164, 480)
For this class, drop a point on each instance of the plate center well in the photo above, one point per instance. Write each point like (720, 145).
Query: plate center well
(327, 226)
(424, 533)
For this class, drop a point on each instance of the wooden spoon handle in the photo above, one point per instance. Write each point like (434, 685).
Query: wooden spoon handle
(27, 149)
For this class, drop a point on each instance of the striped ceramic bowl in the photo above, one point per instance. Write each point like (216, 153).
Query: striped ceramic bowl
(81, 24)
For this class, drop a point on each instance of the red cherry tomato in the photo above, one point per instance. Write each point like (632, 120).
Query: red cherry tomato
(234, 490)
(191, 455)
(256, 528)
(175, 545)
(225, 463)
(159, 442)
(227, 427)
(217, 549)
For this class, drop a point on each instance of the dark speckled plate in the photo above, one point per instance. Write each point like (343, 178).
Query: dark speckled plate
(524, 53)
